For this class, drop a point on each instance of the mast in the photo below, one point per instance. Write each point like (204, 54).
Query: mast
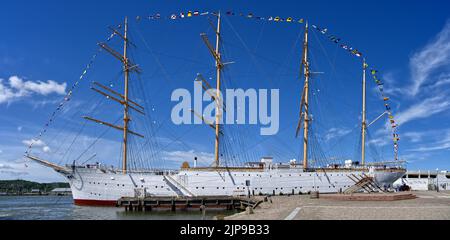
(306, 100)
(364, 123)
(126, 118)
(218, 99)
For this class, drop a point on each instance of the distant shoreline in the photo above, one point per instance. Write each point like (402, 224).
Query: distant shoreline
(28, 188)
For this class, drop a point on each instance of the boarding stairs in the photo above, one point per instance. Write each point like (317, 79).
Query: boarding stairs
(177, 187)
(363, 183)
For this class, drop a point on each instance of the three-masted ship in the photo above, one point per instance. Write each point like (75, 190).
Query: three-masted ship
(99, 185)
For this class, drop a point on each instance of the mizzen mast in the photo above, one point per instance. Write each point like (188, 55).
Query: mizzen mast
(126, 118)
(218, 87)
(304, 106)
(364, 121)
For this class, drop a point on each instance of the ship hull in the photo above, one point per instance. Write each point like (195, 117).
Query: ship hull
(94, 187)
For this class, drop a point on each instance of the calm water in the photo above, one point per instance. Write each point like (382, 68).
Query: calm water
(62, 208)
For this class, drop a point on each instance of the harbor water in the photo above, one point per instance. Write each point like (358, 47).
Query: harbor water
(62, 208)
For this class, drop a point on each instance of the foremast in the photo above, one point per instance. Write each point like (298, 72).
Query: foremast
(123, 99)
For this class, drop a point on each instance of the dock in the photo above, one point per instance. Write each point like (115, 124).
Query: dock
(148, 204)
(420, 205)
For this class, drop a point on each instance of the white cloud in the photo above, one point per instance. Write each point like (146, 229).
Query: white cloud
(336, 133)
(414, 137)
(46, 149)
(17, 88)
(432, 57)
(35, 143)
(178, 157)
(424, 109)
(381, 141)
(5, 166)
(441, 142)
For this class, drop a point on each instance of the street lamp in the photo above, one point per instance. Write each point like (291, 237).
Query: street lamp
(437, 179)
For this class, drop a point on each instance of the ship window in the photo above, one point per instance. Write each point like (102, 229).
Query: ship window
(290, 175)
(118, 185)
(224, 188)
(203, 187)
(217, 188)
(196, 187)
(238, 188)
(123, 185)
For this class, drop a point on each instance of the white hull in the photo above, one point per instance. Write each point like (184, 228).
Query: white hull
(100, 187)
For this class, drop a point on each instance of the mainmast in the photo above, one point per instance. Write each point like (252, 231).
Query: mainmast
(306, 100)
(218, 97)
(364, 122)
(126, 118)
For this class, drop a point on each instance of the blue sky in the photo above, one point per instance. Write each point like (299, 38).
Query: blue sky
(46, 45)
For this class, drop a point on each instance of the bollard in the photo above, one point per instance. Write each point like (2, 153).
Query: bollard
(314, 195)
(249, 211)
(203, 209)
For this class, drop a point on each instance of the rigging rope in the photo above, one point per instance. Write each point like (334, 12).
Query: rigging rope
(67, 98)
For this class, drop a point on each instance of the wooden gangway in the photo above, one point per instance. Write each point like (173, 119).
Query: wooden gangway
(363, 183)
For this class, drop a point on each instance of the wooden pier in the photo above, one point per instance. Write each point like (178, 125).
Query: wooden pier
(184, 203)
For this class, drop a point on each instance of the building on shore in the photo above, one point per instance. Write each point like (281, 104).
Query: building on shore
(61, 192)
(425, 180)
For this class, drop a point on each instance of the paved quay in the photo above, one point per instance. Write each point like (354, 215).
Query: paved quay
(427, 206)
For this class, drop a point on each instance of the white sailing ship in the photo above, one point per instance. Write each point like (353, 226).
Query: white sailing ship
(97, 184)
